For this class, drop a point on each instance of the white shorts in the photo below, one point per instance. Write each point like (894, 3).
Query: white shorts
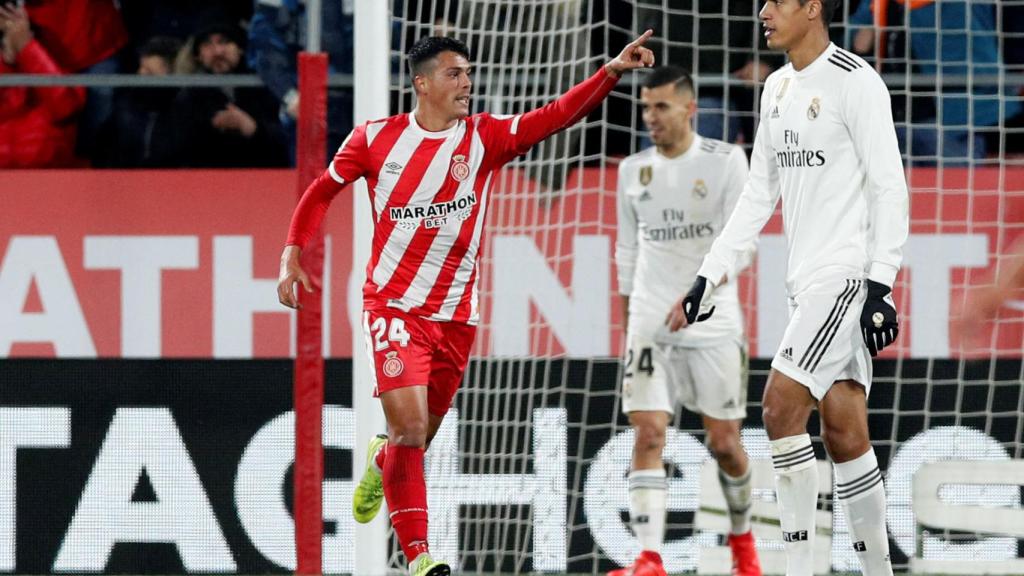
(710, 381)
(823, 341)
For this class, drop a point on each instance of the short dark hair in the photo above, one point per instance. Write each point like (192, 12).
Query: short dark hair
(426, 49)
(165, 47)
(663, 75)
(828, 11)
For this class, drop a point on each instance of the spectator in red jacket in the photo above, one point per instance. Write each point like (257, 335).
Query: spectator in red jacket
(37, 125)
(84, 37)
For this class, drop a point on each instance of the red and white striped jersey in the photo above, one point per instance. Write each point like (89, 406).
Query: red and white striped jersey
(429, 192)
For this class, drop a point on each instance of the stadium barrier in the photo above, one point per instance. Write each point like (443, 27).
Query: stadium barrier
(173, 466)
(167, 264)
(162, 440)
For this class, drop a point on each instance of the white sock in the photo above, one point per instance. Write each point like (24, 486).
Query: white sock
(796, 484)
(647, 495)
(737, 498)
(859, 487)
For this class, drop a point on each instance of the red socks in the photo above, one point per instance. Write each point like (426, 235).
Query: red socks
(405, 490)
(651, 556)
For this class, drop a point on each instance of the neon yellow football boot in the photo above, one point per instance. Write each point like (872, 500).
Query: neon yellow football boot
(424, 565)
(369, 493)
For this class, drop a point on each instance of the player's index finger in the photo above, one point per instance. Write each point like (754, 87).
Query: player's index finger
(642, 38)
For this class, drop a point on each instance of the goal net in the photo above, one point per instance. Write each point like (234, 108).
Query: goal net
(528, 471)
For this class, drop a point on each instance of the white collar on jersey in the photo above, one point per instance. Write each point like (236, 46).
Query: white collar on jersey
(690, 152)
(829, 50)
(427, 133)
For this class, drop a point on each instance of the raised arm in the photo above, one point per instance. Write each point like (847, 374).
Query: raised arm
(528, 129)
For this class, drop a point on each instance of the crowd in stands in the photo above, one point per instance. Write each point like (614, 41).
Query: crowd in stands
(160, 127)
(962, 122)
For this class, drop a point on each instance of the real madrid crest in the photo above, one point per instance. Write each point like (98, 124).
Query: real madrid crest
(460, 168)
(700, 189)
(392, 366)
(646, 173)
(814, 109)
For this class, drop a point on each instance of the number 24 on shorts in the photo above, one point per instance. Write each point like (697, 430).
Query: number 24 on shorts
(396, 333)
(644, 364)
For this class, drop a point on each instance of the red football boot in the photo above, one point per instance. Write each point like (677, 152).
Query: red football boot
(647, 564)
(744, 555)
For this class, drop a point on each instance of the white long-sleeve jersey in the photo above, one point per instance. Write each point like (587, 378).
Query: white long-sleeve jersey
(826, 142)
(669, 212)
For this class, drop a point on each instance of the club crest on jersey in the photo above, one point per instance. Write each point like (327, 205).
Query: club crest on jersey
(814, 109)
(392, 365)
(460, 168)
(700, 189)
(646, 173)
(782, 90)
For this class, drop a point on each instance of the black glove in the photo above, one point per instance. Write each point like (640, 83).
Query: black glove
(878, 319)
(696, 303)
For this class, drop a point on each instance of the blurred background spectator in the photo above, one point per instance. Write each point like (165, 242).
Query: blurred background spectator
(947, 39)
(1013, 50)
(146, 19)
(139, 132)
(37, 125)
(726, 43)
(84, 37)
(277, 34)
(225, 127)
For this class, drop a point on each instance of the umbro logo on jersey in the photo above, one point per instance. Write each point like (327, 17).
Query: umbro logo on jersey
(393, 168)
(644, 196)
(787, 353)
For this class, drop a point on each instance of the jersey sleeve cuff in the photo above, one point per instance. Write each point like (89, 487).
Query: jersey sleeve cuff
(625, 282)
(713, 271)
(883, 273)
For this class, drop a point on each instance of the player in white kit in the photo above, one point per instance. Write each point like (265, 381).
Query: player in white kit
(673, 200)
(827, 144)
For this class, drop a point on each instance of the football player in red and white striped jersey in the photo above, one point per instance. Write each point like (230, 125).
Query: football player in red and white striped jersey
(429, 174)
